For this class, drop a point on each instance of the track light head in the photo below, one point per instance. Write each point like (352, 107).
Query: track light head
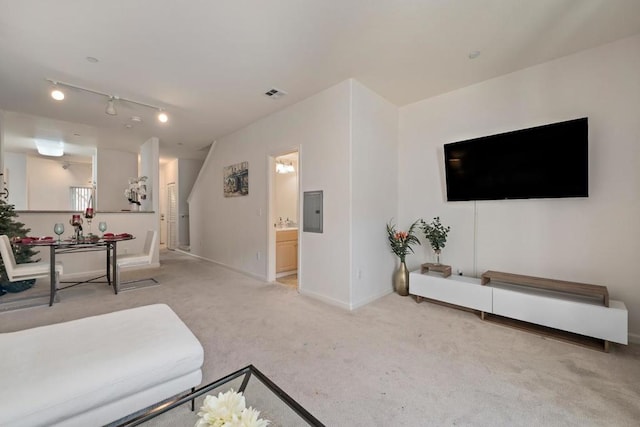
(163, 117)
(111, 107)
(57, 94)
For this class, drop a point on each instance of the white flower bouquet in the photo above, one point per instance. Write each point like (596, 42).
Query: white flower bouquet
(229, 410)
(137, 190)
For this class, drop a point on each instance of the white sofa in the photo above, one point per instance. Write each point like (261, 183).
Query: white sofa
(96, 370)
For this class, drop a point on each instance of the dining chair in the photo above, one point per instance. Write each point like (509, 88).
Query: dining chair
(136, 260)
(27, 270)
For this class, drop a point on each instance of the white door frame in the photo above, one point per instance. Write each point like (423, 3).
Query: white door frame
(271, 220)
(172, 217)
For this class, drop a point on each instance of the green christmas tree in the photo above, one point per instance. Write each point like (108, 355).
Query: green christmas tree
(14, 229)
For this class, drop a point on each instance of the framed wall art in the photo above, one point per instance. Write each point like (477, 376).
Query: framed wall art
(236, 179)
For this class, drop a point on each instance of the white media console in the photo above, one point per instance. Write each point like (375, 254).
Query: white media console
(577, 312)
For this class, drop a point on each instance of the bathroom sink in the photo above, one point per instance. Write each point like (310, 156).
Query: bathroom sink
(286, 228)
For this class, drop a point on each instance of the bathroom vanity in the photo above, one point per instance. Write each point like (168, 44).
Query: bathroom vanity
(286, 249)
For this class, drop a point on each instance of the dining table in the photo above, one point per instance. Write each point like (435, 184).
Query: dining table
(74, 245)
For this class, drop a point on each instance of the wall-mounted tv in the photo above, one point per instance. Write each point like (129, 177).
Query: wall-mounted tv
(547, 161)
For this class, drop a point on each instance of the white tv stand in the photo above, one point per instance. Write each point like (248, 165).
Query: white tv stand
(566, 306)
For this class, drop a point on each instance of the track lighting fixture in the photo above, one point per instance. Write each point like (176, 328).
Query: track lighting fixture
(111, 108)
(58, 95)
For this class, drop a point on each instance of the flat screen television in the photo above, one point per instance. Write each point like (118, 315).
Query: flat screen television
(549, 161)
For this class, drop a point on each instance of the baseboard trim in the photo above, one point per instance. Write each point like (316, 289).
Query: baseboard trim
(324, 299)
(370, 299)
(634, 338)
(221, 264)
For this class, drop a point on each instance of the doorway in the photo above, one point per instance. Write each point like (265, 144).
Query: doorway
(172, 231)
(284, 218)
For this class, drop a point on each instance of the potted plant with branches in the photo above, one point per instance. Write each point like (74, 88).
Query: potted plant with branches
(436, 233)
(401, 242)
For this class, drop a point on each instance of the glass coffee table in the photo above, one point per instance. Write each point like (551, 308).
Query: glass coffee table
(259, 391)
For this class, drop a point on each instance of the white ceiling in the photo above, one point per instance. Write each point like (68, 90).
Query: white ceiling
(208, 62)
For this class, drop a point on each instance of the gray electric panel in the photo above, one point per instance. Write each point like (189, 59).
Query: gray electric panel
(312, 212)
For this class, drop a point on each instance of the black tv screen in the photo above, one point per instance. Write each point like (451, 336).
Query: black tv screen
(547, 161)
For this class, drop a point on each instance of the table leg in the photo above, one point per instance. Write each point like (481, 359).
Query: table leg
(52, 260)
(108, 264)
(114, 267)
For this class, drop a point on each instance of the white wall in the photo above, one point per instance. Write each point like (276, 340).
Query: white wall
(591, 240)
(233, 231)
(149, 160)
(48, 183)
(149, 166)
(348, 149)
(41, 183)
(171, 172)
(113, 170)
(187, 173)
(374, 200)
(15, 169)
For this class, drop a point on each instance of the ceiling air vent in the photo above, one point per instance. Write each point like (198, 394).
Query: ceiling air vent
(274, 93)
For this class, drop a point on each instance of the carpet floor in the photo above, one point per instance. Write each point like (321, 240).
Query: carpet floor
(391, 363)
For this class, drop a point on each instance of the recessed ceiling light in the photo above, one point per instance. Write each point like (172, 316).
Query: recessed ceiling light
(162, 116)
(474, 54)
(92, 59)
(128, 125)
(76, 134)
(136, 119)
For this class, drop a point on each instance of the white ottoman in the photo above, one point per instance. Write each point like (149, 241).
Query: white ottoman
(96, 370)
